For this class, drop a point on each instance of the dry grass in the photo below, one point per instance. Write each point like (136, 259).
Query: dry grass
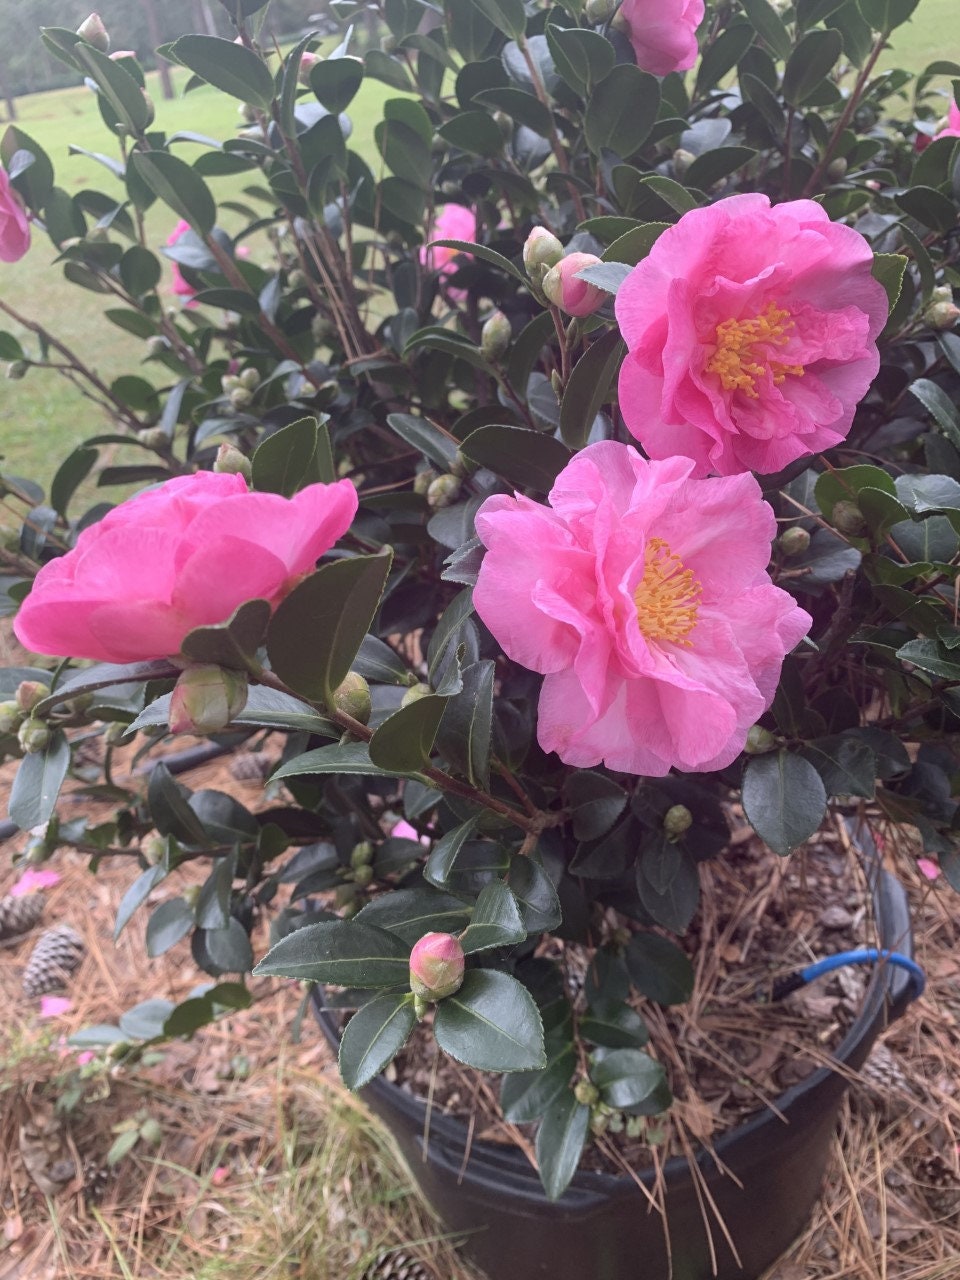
(267, 1167)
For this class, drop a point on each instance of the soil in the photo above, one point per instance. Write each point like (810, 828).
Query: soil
(730, 1050)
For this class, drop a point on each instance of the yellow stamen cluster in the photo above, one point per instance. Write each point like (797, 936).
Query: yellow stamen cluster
(668, 597)
(738, 361)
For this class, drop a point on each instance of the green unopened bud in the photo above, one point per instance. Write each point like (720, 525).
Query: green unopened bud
(389, 44)
(505, 125)
(206, 698)
(597, 11)
(153, 848)
(363, 876)
(676, 821)
(794, 541)
(229, 382)
(114, 733)
(10, 716)
(362, 854)
(682, 160)
(541, 250)
(156, 345)
(323, 329)
(586, 1093)
(151, 1131)
(495, 336)
(352, 697)
(759, 741)
(94, 32)
(437, 963)
(941, 313)
(154, 437)
(941, 293)
(848, 518)
(151, 109)
(599, 1121)
(443, 492)
(29, 693)
(557, 383)
(33, 736)
(17, 369)
(191, 895)
(462, 466)
(423, 480)
(250, 378)
(837, 169)
(240, 397)
(231, 462)
(415, 694)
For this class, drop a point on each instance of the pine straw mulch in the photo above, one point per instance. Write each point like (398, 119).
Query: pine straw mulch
(266, 1167)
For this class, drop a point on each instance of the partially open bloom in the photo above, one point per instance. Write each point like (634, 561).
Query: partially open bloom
(14, 227)
(180, 285)
(663, 33)
(453, 222)
(953, 124)
(751, 335)
(642, 595)
(564, 288)
(182, 555)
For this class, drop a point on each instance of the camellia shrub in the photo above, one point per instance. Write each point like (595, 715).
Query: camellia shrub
(579, 458)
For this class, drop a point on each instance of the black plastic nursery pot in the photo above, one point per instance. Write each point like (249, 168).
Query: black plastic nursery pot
(764, 1181)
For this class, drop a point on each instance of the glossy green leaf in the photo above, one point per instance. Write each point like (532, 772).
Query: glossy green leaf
(404, 741)
(410, 913)
(344, 953)
(70, 475)
(443, 856)
(784, 799)
(178, 186)
(117, 86)
(809, 65)
(560, 1141)
(335, 82)
(659, 969)
(629, 1080)
(232, 68)
(169, 922)
(582, 58)
(525, 458)
(374, 1036)
(233, 643)
(465, 731)
(491, 1023)
(769, 26)
(505, 15)
(171, 814)
(622, 110)
(526, 1095)
(350, 759)
(136, 894)
(33, 795)
(281, 462)
(495, 921)
(590, 386)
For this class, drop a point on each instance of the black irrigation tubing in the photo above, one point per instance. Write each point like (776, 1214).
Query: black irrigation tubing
(178, 762)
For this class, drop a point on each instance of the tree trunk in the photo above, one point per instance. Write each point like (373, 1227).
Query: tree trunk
(153, 28)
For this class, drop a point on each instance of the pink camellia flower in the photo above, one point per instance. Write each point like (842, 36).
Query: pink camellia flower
(751, 335)
(953, 124)
(33, 881)
(663, 33)
(184, 554)
(453, 222)
(564, 288)
(436, 966)
(642, 595)
(928, 868)
(180, 285)
(14, 227)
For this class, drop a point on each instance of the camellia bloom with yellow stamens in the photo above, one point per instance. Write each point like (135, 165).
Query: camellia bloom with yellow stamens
(751, 332)
(642, 595)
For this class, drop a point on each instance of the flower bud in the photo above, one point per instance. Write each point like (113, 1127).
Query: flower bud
(151, 109)
(362, 855)
(495, 336)
(206, 698)
(240, 397)
(231, 462)
(94, 32)
(29, 693)
(191, 895)
(114, 733)
(156, 345)
(352, 697)
(307, 62)
(153, 437)
(250, 378)
(682, 160)
(598, 11)
(794, 541)
(564, 290)
(442, 492)
(423, 480)
(33, 736)
(10, 716)
(414, 694)
(363, 876)
(153, 848)
(677, 820)
(436, 966)
(541, 249)
(229, 382)
(462, 466)
(940, 312)
(151, 1131)
(759, 741)
(837, 169)
(17, 369)
(123, 53)
(848, 518)
(586, 1093)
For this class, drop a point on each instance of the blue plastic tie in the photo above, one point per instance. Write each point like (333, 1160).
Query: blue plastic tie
(864, 955)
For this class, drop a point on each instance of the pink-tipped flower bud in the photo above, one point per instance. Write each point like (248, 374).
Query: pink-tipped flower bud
(307, 62)
(231, 462)
(94, 32)
(29, 693)
(940, 312)
(495, 336)
(794, 541)
(436, 966)
(563, 288)
(206, 698)
(541, 250)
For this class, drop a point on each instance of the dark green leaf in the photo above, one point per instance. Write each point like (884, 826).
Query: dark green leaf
(403, 742)
(281, 462)
(344, 953)
(145, 1021)
(117, 87)
(171, 814)
(847, 765)
(525, 458)
(615, 1026)
(495, 922)
(170, 922)
(597, 802)
(232, 68)
(70, 475)
(535, 894)
(582, 58)
(443, 856)
(885, 15)
(374, 1036)
(178, 186)
(622, 110)
(335, 82)
(629, 1080)
(769, 27)
(668, 883)
(213, 904)
(784, 799)
(505, 15)
(931, 657)
(560, 1142)
(33, 795)
(136, 895)
(351, 758)
(659, 969)
(809, 65)
(590, 385)
(491, 1023)
(939, 405)
(34, 181)
(526, 1095)
(232, 643)
(410, 913)
(229, 948)
(465, 729)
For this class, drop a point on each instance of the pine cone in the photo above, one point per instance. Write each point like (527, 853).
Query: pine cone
(17, 915)
(394, 1265)
(57, 953)
(939, 1185)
